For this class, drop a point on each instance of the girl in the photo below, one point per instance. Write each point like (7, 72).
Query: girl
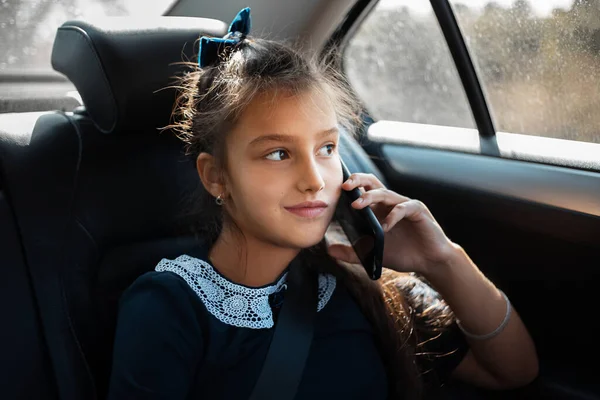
(263, 125)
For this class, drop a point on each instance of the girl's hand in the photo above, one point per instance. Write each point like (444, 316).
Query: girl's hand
(414, 241)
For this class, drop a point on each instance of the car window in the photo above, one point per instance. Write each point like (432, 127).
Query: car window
(28, 27)
(400, 66)
(539, 63)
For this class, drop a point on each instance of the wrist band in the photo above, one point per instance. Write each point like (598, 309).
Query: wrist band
(497, 330)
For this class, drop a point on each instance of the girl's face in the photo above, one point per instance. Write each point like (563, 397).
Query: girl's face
(283, 170)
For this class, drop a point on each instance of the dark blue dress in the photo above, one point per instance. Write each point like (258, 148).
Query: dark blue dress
(172, 342)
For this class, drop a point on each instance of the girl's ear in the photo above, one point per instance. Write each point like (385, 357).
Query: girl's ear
(210, 174)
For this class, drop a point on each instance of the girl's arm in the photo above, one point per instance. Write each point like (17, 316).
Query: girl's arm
(506, 360)
(415, 242)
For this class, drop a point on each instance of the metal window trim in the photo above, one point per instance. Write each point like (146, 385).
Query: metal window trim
(468, 76)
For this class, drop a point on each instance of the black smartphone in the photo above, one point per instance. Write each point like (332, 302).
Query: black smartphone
(362, 228)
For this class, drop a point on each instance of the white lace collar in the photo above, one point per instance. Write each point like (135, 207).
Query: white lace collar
(231, 303)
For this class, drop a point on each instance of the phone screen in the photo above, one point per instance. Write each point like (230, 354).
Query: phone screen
(362, 229)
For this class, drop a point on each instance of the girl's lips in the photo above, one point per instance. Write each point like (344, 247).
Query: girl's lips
(308, 209)
(307, 212)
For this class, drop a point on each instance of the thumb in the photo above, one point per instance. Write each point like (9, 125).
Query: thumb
(343, 252)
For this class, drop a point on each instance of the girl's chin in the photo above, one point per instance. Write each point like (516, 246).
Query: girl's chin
(304, 240)
(311, 243)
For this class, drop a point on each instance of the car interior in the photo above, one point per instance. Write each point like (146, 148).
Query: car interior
(92, 193)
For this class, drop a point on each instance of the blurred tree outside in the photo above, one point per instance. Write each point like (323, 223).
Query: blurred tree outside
(540, 72)
(28, 27)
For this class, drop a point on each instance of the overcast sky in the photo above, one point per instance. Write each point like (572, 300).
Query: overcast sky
(540, 7)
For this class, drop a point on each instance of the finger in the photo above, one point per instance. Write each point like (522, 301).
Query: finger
(368, 181)
(411, 210)
(343, 252)
(378, 197)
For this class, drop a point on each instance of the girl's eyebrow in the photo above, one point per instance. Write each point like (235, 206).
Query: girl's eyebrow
(277, 137)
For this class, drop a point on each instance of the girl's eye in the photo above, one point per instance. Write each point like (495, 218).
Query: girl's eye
(327, 150)
(277, 155)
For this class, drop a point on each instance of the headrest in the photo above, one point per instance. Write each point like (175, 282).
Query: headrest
(122, 65)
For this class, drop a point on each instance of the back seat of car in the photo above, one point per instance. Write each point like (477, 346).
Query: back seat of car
(25, 366)
(95, 198)
(90, 200)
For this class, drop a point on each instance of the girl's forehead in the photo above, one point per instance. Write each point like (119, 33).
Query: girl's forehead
(283, 112)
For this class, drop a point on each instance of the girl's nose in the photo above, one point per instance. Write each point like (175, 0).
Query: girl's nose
(310, 177)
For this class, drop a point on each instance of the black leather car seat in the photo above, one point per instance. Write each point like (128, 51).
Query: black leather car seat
(25, 366)
(97, 194)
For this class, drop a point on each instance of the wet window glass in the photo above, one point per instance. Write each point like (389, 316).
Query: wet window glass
(539, 63)
(400, 66)
(28, 27)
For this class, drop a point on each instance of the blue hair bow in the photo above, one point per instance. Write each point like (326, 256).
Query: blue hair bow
(210, 48)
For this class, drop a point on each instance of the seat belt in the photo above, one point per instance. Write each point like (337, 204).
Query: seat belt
(284, 364)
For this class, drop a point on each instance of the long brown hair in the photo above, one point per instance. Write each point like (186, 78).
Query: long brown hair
(210, 102)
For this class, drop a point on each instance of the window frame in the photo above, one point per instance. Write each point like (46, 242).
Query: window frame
(460, 55)
(59, 90)
(476, 97)
(468, 76)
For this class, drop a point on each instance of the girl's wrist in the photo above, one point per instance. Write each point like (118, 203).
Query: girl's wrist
(443, 271)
